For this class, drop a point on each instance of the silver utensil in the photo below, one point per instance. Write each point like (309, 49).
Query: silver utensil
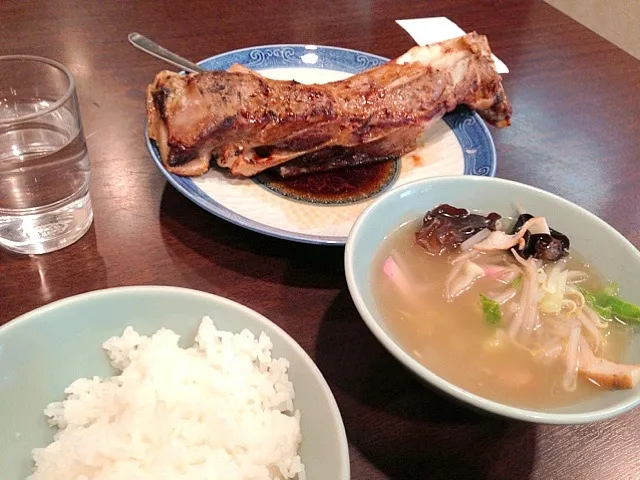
(152, 48)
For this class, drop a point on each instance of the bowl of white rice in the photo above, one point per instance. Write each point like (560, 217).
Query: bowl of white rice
(148, 383)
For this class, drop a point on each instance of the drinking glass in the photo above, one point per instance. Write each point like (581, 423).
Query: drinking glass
(44, 163)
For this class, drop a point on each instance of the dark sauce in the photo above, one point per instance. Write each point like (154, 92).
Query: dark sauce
(345, 185)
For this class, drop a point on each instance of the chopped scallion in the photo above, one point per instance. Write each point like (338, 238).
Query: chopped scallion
(611, 288)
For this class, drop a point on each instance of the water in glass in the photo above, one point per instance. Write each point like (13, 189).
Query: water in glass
(44, 176)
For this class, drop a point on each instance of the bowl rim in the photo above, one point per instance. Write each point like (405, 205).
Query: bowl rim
(334, 411)
(477, 401)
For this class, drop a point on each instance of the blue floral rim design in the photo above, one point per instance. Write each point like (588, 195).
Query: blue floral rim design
(474, 137)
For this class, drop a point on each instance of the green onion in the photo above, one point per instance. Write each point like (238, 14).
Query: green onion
(491, 310)
(611, 288)
(516, 281)
(556, 284)
(609, 306)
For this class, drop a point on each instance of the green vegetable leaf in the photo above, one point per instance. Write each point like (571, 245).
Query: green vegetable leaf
(620, 308)
(609, 306)
(592, 301)
(491, 310)
(516, 281)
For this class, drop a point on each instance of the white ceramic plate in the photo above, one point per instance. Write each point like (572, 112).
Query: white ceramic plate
(458, 144)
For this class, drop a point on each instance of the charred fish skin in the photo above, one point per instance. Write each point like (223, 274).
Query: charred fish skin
(249, 123)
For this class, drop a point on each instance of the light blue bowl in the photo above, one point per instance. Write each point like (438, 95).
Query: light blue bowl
(43, 351)
(608, 252)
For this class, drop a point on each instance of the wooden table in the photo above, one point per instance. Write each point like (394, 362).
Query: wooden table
(575, 133)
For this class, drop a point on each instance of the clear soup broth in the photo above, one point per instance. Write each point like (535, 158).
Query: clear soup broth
(452, 339)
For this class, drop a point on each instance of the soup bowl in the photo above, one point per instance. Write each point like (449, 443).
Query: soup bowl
(43, 351)
(606, 250)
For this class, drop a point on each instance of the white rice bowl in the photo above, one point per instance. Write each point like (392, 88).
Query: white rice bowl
(219, 410)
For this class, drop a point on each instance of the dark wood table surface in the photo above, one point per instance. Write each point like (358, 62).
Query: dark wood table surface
(575, 133)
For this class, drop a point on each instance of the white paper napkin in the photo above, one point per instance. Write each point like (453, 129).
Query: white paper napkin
(437, 29)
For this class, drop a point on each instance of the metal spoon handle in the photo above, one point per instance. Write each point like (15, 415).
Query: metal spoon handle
(152, 48)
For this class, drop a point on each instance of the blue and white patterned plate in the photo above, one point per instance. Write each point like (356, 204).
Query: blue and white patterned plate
(459, 144)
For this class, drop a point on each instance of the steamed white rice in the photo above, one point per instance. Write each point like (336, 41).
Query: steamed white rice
(219, 410)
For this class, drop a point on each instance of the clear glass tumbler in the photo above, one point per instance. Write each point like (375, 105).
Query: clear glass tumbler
(44, 163)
